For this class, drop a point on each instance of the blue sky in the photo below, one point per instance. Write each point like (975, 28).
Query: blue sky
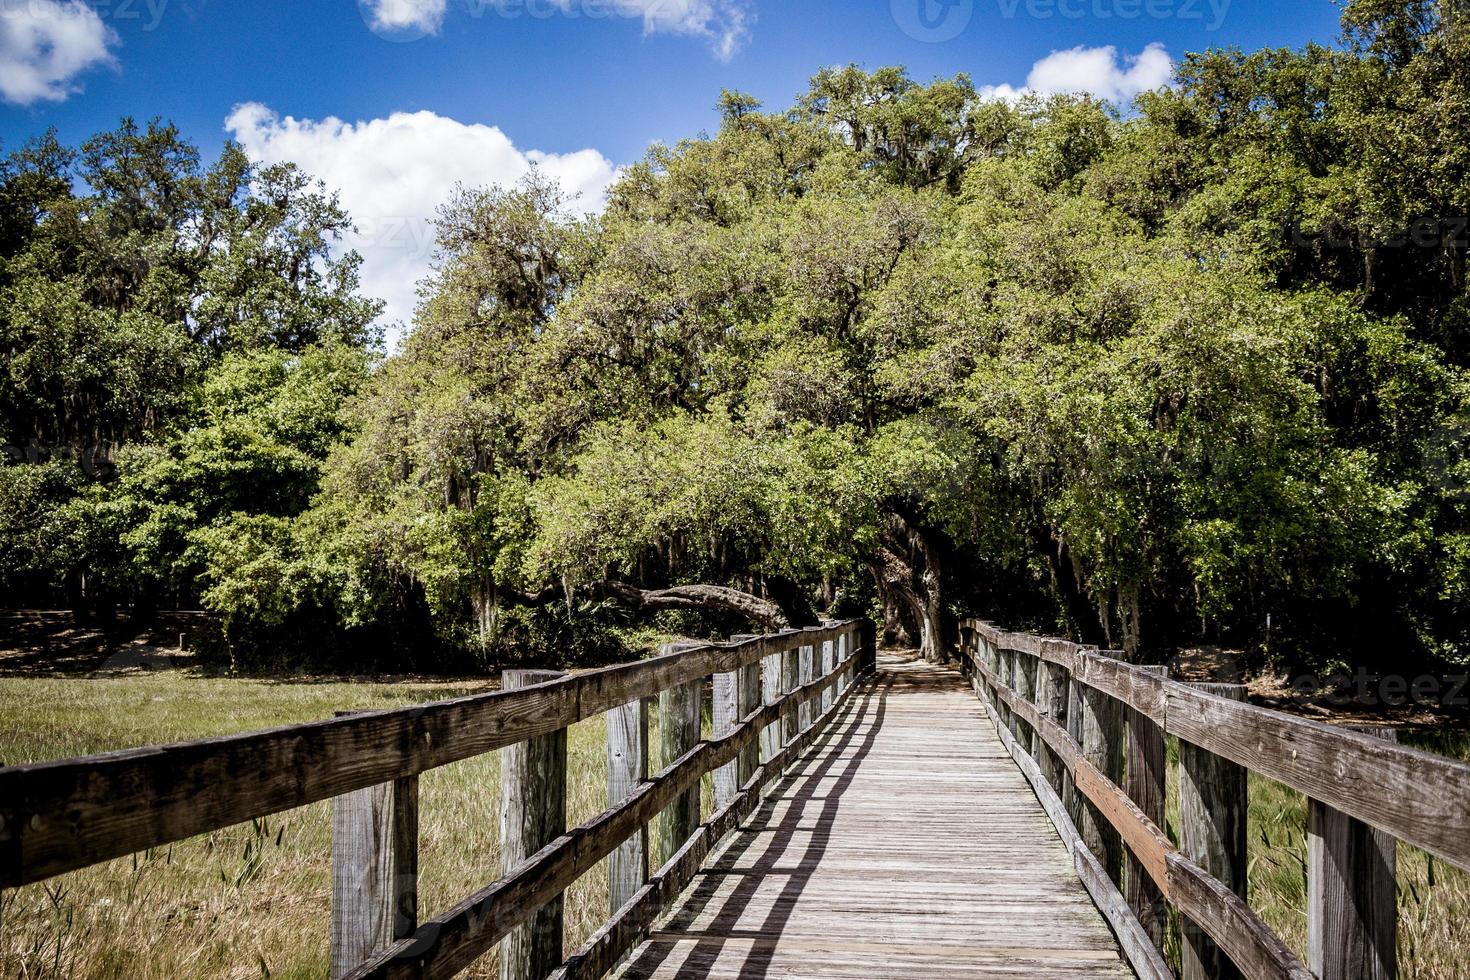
(393, 101)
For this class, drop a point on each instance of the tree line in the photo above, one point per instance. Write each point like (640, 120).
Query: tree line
(1188, 371)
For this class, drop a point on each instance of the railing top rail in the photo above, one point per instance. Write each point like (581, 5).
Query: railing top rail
(1419, 797)
(60, 816)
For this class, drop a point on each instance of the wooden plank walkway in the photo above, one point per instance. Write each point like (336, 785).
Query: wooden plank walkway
(907, 844)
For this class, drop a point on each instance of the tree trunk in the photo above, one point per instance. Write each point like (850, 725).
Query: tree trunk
(1067, 580)
(716, 598)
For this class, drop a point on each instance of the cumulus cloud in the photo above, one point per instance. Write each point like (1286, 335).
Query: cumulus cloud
(1095, 71)
(393, 173)
(422, 16)
(45, 45)
(724, 23)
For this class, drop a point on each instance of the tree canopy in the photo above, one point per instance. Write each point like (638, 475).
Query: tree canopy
(1186, 371)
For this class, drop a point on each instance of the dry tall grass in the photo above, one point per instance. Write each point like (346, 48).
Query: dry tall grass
(252, 901)
(1434, 898)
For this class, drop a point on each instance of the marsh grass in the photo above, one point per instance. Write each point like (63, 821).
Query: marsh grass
(251, 901)
(1434, 898)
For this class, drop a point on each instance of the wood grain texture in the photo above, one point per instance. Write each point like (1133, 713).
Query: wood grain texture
(450, 942)
(1214, 907)
(1352, 895)
(375, 842)
(1212, 825)
(627, 770)
(848, 868)
(533, 813)
(1142, 953)
(1419, 797)
(1145, 783)
(608, 945)
(770, 737)
(60, 816)
(1102, 747)
(1249, 944)
(678, 728)
(724, 716)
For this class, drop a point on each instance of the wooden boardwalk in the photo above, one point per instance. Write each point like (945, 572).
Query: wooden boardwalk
(905, 844)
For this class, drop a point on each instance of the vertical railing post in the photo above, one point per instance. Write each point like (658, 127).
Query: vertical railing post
(735, 694)
(1102, 745)
(844, 658)
(1352, 895)
(790, 680)
(868, 643)
(627, 769)
(1006, 659)
(375, 839)
(1051, 701)
(678, 731)
(1212, 823)
(829, 663)
(771, 736)
(807, 668)
(533, 813)
(1026, 677)
(1146, 786)
(1072, 798)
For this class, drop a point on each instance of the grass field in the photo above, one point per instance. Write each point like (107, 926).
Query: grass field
(1434, 898)
(251, 901)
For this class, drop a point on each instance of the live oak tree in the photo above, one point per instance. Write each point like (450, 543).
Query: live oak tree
(1153, 375)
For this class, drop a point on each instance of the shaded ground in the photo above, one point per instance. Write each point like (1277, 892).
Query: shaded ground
(46, 642)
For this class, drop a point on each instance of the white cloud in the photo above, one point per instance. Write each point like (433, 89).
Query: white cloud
(45, 45)
(1095, 71)
(393, 173)
(725, 23)
(422, 16)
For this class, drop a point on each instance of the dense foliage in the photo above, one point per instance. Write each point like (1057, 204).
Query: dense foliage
(1190, 371)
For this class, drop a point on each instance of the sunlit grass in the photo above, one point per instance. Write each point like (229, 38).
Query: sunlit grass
(253, 900)
(1433, 900)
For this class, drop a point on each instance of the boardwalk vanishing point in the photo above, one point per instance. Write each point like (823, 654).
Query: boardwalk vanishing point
(906, 843)
(873, 817)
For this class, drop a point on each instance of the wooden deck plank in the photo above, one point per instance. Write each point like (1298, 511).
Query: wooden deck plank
(906, 844)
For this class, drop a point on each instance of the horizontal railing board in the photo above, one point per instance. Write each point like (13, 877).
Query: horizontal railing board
(1149, 844)
(1147, 962)
(1421, 798)
(630, 924)
(1231, 923)
(447, 944)
(1212, 906)
(59, 816)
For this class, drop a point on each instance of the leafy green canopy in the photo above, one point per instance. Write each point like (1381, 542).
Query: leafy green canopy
(1157, 378)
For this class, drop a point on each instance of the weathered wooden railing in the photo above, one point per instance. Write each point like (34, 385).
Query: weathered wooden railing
(772, 695)
(1089, 732)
